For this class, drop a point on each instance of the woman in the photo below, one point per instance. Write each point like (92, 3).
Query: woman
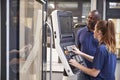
(104, 61)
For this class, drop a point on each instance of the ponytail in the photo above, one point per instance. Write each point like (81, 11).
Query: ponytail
(111, 28)
(108, 34)
(111, 36)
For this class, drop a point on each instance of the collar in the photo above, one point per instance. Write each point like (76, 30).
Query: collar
(89, 30)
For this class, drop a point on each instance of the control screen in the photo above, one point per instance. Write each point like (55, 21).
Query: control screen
(65, 24)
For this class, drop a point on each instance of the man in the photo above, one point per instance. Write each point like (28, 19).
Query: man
(85, 36)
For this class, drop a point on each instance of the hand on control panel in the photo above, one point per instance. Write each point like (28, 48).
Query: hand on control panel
(75, 50)
(73, 58)
(70, 52)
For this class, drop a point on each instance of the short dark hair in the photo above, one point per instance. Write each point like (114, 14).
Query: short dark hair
(96, 13)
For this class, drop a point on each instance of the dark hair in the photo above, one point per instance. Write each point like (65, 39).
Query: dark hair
(108, 34)
(97, 14)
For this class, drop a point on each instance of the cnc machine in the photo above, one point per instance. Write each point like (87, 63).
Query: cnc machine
(64, 39)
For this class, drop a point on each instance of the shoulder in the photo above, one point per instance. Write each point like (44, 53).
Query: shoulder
(84, 29)
(102, 49)
(102, 46)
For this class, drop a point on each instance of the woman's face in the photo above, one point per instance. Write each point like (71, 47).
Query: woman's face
(97, 33)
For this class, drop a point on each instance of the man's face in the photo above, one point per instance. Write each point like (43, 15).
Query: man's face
(91, 21)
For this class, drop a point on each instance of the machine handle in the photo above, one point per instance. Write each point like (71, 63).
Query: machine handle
(51, 42)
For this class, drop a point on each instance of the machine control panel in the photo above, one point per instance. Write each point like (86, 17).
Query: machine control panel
(71, 55)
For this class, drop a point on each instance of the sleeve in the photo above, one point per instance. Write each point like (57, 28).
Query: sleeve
(98, 60)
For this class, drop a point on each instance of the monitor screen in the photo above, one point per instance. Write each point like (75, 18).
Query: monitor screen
(65, 24)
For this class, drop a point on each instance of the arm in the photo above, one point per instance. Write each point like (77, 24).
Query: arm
(88, 57)
(77, 51)
(92, 72)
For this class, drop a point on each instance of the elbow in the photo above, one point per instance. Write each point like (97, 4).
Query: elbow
(94, 75)
(94, 72)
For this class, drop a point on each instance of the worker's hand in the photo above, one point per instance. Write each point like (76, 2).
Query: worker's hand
(73, 62)
(75, 50)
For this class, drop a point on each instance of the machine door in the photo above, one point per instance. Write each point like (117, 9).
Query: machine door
(24, 29)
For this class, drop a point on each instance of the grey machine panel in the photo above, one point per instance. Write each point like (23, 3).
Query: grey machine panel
(64, 39)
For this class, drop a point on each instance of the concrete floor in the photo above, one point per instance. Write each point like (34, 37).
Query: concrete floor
(55, 76)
